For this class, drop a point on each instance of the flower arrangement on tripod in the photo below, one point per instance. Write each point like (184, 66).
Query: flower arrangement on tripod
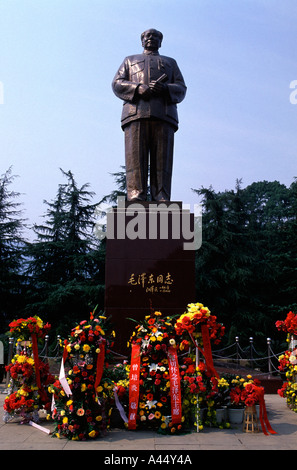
(29, 376)
(25, 398)
(154, 378)
(82, 397)
(201, 327)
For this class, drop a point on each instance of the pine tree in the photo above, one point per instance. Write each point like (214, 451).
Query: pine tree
(11, 252)
(66, 262)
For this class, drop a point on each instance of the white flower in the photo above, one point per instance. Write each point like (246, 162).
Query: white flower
(145, 343)
(151, 403)
(293, 359)
(154, 367)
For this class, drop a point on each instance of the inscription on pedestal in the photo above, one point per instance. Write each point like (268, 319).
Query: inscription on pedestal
(144, 273)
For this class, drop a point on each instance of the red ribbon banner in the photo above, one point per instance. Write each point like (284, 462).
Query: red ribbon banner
(175, 392)
(65, 352)
(207, 350)
(207, 353)
(266, 426)
(100, 364)
(134, 385)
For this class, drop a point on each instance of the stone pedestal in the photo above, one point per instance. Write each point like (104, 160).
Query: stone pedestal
(148, 264)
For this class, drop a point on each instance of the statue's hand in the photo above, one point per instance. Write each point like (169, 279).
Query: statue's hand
(157, 88)
(143, 91)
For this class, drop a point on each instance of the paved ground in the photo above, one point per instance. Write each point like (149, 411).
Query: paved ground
(16, 436)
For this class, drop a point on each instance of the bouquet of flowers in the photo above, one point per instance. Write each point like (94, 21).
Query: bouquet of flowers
(289, 325)
(196, 315)
(82, 401)
(251, 394)
(243, 391)
(202, 328)
(154, 379)
(24, 328)
(29, 377)
(26, 398)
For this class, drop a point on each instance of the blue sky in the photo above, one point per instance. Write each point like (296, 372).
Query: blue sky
(57, 61)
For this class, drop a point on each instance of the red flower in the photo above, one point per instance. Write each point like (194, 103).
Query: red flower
(289, 325)
(250, 401)
(191, 369)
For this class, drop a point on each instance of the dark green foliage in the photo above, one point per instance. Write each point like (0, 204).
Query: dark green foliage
(247, 265)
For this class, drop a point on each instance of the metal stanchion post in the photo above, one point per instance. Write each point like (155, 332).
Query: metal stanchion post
(237, 349)
(251, 351)
(269, 356)
(46, 346)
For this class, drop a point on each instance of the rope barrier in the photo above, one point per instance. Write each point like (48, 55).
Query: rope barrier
(54, 353)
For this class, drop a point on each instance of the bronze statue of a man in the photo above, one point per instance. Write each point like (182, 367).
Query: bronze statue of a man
(151, 85)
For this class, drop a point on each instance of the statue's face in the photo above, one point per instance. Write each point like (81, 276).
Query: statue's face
(151, 40)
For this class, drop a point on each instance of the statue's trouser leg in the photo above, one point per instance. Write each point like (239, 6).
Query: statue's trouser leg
(144, 137)
(161, 160)
(136, 154)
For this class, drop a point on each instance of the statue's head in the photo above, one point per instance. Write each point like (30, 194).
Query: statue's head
(151, 39)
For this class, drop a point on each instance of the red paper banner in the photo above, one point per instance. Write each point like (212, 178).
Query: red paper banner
(175, 392)
(100, 364)
(134, 386)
